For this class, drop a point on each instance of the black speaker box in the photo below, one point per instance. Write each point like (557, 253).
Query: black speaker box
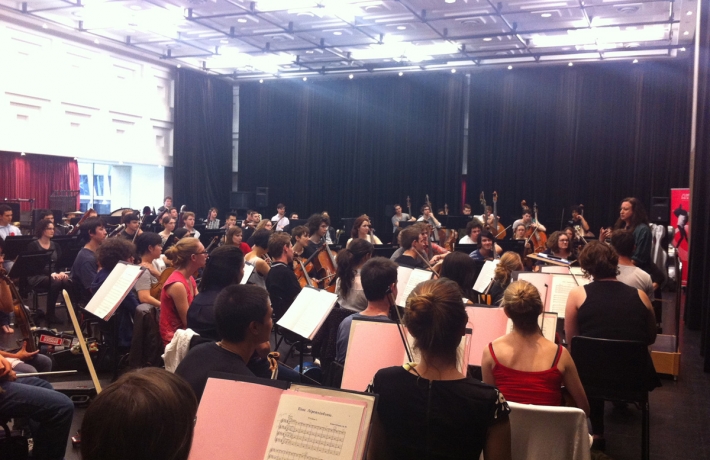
(262, 197)
(660, 210)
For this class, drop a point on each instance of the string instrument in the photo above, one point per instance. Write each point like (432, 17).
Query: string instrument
(498, 229)
(326, 267)
(156, 288)
(409, 206)
(482, 199)
(301, 270)
(81, 221)
(22, 320)
(537, 238)
(140, 225)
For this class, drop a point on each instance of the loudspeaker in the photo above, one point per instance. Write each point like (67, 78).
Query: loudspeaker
(262, 197)
(660, 210)
(240, 200)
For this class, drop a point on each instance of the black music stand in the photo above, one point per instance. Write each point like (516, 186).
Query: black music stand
(16, 245)
(30, 264)
(69, 247)
(512, 245)
(467, 248)
(456, 222)
(206, 236)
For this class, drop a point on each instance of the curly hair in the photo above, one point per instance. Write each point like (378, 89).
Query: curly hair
(41, 227)
(509, 262)
(599, 260)
(114, 250)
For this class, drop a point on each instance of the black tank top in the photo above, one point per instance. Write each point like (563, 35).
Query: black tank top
(613, 310)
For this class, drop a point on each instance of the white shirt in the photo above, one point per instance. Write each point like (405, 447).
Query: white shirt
(9, 230)
(281, 222)
(466, 240)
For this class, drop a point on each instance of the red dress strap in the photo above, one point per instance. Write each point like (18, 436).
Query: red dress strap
(490, 347)
(557, 357)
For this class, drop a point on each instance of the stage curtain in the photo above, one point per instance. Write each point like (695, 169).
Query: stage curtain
(353, 146)
(697, 309)
(202, 151)
(590, 134)
(36, 177)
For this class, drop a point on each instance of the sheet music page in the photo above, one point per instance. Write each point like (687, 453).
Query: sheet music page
(548, 324)
(309, 427)
(415, 277)
(308, 311)
(248, 270)
(560, 287)
(541, 281)
(403, 274)
(112, 292)
(486, 275)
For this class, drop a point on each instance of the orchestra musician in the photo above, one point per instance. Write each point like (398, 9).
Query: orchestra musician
(280, 220)
(6, 227)
(48, 214)
(414, 247)
(318, 225)
(258, 256)
(53, 282)
(429, 218)
(527, 220)
(85, 265)
(300, 238)
(293, 216)
(348, 286)
(167, 204)
(400, 216)
(149, 247)
(363, 229)
(249, 224)
(558, 245)
(229, 221)
(485, 247)
(263, 224)
(467, 211)
(473, 229)
(578, 220)
(188, 218)
(234, 238)
(460, 268)
(519, 232)
(131, 224)
(509, 262)
(212, 221)
(168, 222)
(281, 282)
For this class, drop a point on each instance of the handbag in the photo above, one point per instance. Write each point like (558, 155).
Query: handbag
(13, 445)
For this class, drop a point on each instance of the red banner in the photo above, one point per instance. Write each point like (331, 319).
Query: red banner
(680, 221)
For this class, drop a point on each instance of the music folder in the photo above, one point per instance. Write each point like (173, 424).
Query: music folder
(112, 292)
(308, 311)
(252, 418)
(407, 280)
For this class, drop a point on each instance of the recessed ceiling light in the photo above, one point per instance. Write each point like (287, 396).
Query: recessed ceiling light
(487, 39)
(350, 76)
(22, 154)
(45, 26)
(401, 27)
(570, 64)
(686, 33)
(96, 41)
(683, 49)
(337, 32)
(635, 61)
(261, 81)
(450, 1)
(136, 7)
(453, 70)
(510, 67)
(546, 15)
(179, 65)
(305, 78)
(242, 20)
(309, 51)
(224, 40)
(689, 13)
(75, 158)
(401, 73)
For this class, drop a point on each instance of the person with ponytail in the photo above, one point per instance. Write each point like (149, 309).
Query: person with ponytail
(525, 366)
(348, 287)
(430, 409)
(187, 255)
(502, 276)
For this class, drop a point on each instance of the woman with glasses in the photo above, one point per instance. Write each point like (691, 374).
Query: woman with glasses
(361, 229)
(559, 246)
(188, 255)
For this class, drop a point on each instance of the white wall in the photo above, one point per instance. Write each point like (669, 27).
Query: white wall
(146, 189)
(59, 97)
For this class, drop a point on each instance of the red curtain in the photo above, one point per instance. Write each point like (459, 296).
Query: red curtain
(36, 177)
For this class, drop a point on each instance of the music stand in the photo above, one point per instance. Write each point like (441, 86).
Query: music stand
(206, 236)
(406, 223)
(467, 248)
(384, 250)
(16, 245)
(456, 222)
(30, 264)
(512, 245)
(69, 247)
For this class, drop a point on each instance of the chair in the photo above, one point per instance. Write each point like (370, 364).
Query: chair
(549, 432)
(618, 371)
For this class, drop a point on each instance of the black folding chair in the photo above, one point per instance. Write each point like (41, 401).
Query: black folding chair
(617, 371)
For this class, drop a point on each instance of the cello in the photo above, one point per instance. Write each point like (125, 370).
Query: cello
(22, 320)
(536, 237)
(326, 267)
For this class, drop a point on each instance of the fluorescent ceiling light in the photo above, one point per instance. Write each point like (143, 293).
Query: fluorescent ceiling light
(602, 37)
(405, 51)
(487, 39)
(546, 15)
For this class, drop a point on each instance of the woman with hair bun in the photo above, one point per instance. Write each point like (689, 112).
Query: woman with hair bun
(187, 255)
(525, 366)
(348, 286)
(429, 409)
(509, 262)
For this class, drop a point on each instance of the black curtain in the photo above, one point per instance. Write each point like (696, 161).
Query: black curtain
(353, 146)
(202, 152)
(697, 307)
(590, 134)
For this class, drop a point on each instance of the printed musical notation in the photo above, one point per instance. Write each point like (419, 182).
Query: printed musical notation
(278, 454)
(311, 437)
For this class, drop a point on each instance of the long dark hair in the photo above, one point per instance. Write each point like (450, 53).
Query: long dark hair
(460, 268)
(638, 217)
(348, 259)
(356, 225)
(222, 268)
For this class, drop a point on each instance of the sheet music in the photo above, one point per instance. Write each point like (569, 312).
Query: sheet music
(546, 321)
(308, 311)
(248, 270)
(112, 292)
(407, 280)
(561, 286)
(308, 427)
(541, 281)
(486, 276)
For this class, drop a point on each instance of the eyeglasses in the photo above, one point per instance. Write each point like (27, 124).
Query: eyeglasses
(202, 253)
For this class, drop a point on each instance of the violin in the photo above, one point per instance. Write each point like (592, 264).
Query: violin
(22, 320)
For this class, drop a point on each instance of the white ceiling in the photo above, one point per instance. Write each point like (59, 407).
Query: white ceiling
(269, 38)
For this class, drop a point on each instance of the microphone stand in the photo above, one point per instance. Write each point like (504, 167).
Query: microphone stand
(398, 320)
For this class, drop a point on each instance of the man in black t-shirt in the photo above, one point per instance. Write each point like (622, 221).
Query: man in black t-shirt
(281, 281)
(243, 319)
(413, 247)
